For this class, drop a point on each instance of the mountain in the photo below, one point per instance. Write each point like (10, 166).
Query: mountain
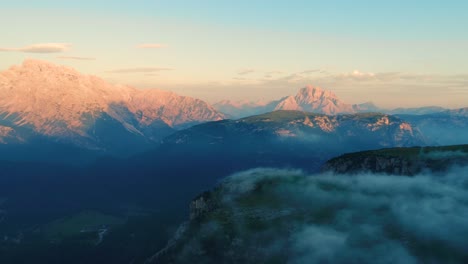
(425, 110)
(442, 128)
(367, 107)
(309, 99)
(315, 100)
(58, 104)
(371, 107)
(462, 112)
(236, 109)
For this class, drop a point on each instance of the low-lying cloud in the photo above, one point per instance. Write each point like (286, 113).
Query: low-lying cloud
(41, 48)
(297, 218)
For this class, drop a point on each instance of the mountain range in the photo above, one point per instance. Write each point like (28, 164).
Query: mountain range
(40, 101)
(50, 112)
(308, 99)
(313, 99)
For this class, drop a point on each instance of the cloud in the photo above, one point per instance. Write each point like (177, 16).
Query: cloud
(151, 46)
(245, 71)
(310, 71)
(359, 75)
(41, 48)
(141, 70)
(75, 58)
(327, 218)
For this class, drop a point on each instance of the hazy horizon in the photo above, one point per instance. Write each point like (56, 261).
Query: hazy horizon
(395, 54)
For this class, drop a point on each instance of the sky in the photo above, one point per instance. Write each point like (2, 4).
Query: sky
(393, 53)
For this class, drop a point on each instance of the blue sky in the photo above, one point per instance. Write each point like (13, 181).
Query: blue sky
(408, 53)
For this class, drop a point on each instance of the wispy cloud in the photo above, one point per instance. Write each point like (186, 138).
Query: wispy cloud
(141, 70)
(75, 58)
(151, 46)
(245, 71)
(40, 48)
(357, 75)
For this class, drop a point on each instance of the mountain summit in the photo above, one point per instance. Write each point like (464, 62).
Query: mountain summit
(62, 104)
